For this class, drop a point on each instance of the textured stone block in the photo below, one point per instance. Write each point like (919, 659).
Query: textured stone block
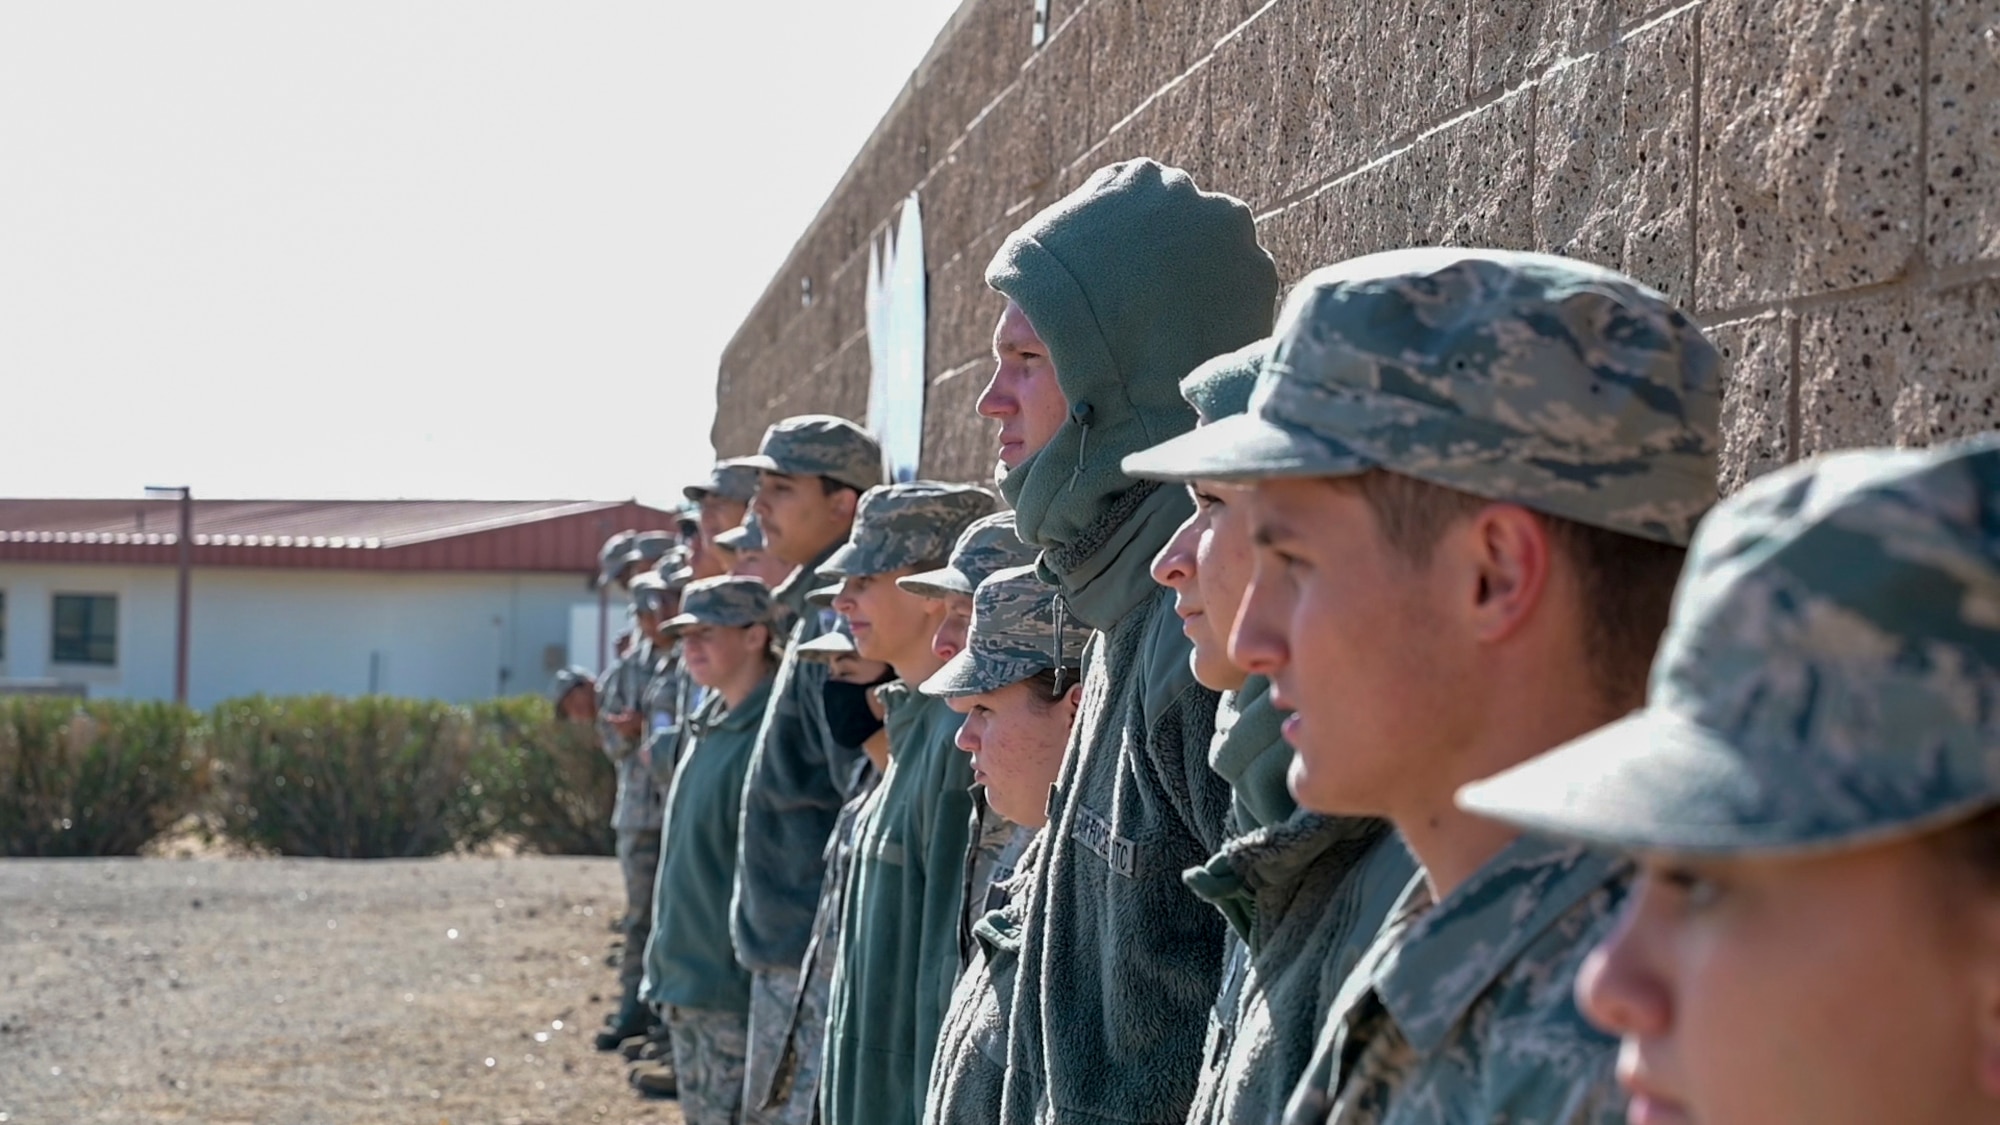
(1295, 238)
(1174, 130)
(1614, 157)
(981, 177)
(1467, 184)
(1140, 46)
(1809, 146)
(1962, 196)
(962, 310)
(1511, 39)
(1854, 361)
(1953, 388)
(1354, 77)
(978, 54)
(1244, 141)
(958, 443)
(1756, 402)
(1055, 93)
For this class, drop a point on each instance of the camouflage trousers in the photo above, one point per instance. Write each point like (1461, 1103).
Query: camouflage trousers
(638, 861)
(787, 1079)
(708, 1059)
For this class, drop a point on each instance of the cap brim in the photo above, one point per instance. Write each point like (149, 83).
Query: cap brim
(842, 563)
(676, 624)
(943, 582)
(1651, 782)
(959, 676)
(826, 646)
(696, 492)
(1244, 447)
(822, 596)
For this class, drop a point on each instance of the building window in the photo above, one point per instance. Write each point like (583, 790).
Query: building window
(86, 629)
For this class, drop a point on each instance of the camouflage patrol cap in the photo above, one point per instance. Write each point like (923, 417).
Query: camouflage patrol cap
(734, 479)
(821, 597)
(610, 556)
(728, 600)
(1526, 378)
(1012, 637)
(1217, 389)
(836, 642)
(746, 536)
(647, 547)
(568, 680)
(987, 544)
(1830, 679)
(898, 525)
(820, 445)
(649, 591)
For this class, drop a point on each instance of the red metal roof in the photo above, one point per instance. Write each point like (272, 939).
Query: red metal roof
(533, 535)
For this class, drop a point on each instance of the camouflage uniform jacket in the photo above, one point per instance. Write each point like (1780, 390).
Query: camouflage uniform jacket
(790, 801)
(805, 1036)
(641, 803)
(997, 844)
(1462, 1011)
(668, 705)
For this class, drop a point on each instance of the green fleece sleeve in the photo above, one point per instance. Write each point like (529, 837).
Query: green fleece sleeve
(944, 833)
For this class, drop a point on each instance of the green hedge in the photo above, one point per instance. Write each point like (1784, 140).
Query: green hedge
(88, 779)
(311, 776)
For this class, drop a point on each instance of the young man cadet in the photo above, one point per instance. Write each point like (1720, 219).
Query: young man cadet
(1811, 794)
(635, 817)
(1475, 476)
(725, 636)
(812, 471)
(1113, 295)
(721, 502)
(898, 950)
(1304, 893)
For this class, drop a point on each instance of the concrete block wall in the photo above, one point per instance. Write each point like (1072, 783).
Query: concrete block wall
(1817, 180)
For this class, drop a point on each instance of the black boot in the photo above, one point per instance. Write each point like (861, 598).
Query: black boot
(629, 1020)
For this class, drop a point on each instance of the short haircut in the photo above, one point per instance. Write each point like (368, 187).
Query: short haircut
(1975, 845)
(1627, 583)
(828, 486)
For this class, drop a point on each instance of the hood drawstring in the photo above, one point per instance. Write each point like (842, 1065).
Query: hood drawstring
(1055, 653)
(1081, 414)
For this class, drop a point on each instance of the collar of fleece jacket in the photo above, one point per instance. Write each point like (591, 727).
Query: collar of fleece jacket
(1132, 280)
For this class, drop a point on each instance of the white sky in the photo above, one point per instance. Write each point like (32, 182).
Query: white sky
(415, 248)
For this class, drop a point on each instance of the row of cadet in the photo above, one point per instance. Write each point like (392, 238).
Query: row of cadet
(1365, 716)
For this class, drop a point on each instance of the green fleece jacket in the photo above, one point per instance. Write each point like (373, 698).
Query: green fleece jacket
(1132, 281)
(1304, 896)
(898, 954)
(690, 962)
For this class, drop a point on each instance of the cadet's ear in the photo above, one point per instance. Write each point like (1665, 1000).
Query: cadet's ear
(1507, 551)
(1071, 700)
(845, 501)
(1985, 917)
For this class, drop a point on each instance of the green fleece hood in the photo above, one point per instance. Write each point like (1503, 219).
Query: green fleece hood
(1132, 280)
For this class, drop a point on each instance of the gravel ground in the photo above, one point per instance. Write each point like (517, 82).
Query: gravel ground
(292, 992)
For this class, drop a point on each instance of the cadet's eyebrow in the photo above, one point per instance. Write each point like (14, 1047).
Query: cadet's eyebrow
(1271, 532)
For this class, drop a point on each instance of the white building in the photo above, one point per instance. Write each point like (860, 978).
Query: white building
(452, 600)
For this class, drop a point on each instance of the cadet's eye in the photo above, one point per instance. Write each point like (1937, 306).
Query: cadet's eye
(1693, 888)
